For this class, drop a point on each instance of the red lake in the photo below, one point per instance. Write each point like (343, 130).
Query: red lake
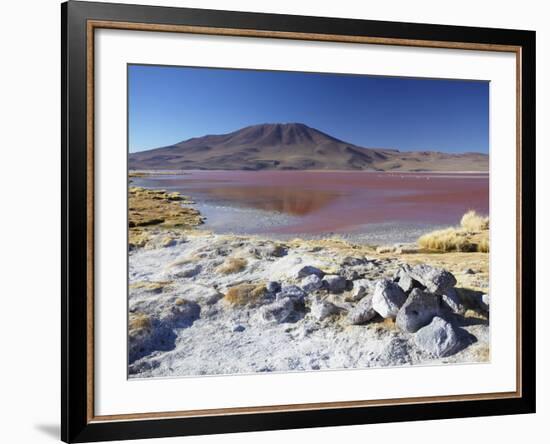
(322, 202)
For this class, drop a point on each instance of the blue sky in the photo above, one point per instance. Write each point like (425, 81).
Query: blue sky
(171, 104)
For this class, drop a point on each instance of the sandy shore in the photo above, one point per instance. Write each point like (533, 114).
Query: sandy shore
(203, 303)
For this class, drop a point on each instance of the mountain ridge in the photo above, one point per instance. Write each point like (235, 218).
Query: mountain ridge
(294, 146)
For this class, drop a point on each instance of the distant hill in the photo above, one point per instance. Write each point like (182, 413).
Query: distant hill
(294, 146)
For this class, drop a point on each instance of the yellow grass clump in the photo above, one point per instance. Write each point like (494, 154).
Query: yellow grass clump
(139, 321)
(244, 294)
(471, 236)
(152, 286)
(473, 222)
(232, 265)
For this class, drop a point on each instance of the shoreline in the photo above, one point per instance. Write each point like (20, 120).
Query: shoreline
(132, 173)
(203, 303)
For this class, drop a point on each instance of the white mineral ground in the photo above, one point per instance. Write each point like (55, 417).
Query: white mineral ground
(182, 324)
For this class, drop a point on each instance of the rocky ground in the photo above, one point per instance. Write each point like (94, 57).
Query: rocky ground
(202, 303)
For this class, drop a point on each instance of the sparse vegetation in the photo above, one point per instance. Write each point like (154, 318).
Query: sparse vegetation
(472, 235)
(138, 321)
(138, 238)
(232, 265)
(244, 294)
(157, 209)
(155, 287)
(473, 222)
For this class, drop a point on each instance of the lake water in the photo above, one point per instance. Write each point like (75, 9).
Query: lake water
(366, 207)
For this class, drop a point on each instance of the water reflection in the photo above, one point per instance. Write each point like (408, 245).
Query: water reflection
(288, 200)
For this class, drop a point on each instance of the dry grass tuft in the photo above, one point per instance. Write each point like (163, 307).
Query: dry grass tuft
(474, 314)
(473, 222)
(471, 236)
(232, 265)
(155, 286)
(449, 239)
(244, 294)
(139, 321)
(483, 246)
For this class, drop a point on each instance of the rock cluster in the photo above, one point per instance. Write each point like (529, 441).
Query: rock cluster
(418, 299)
(276, 288)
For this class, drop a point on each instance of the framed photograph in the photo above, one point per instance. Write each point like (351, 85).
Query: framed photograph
(275, 221)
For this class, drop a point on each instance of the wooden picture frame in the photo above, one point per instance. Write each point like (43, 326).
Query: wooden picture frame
(79, 22)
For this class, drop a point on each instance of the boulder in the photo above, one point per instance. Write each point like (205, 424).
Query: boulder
(435, 280)
(307, 270)
(321, 309)
(388, 298)
(273, 286)
(418, 311)
(404, 279)
(438, 338)
(360, 289)
(452, 300)
(363, 312)
(280, 311)
(335, 283)
(292, 292)
(311, 283)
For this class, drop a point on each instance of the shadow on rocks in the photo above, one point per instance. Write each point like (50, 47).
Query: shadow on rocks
(465, 339)
(157, 338)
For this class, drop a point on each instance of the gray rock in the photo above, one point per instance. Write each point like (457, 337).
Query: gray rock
(335, 283)
(360, 289)
(452, 300)
(438, 338)
(350, 273)
(307, 270)
(418, 311)
(469, 271)
(311, 283)
(362, 312)
(186, 271)
(291, 292)
(321, 309)
(436, 280)
(278, 312)
(388, 298)
(269, 250)
(239, 328)
(404, 279)
(273, 286)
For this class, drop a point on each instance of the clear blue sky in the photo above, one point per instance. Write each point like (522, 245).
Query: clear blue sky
(171, 104)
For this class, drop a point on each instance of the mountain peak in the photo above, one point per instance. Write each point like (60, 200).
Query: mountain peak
(292, 145)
